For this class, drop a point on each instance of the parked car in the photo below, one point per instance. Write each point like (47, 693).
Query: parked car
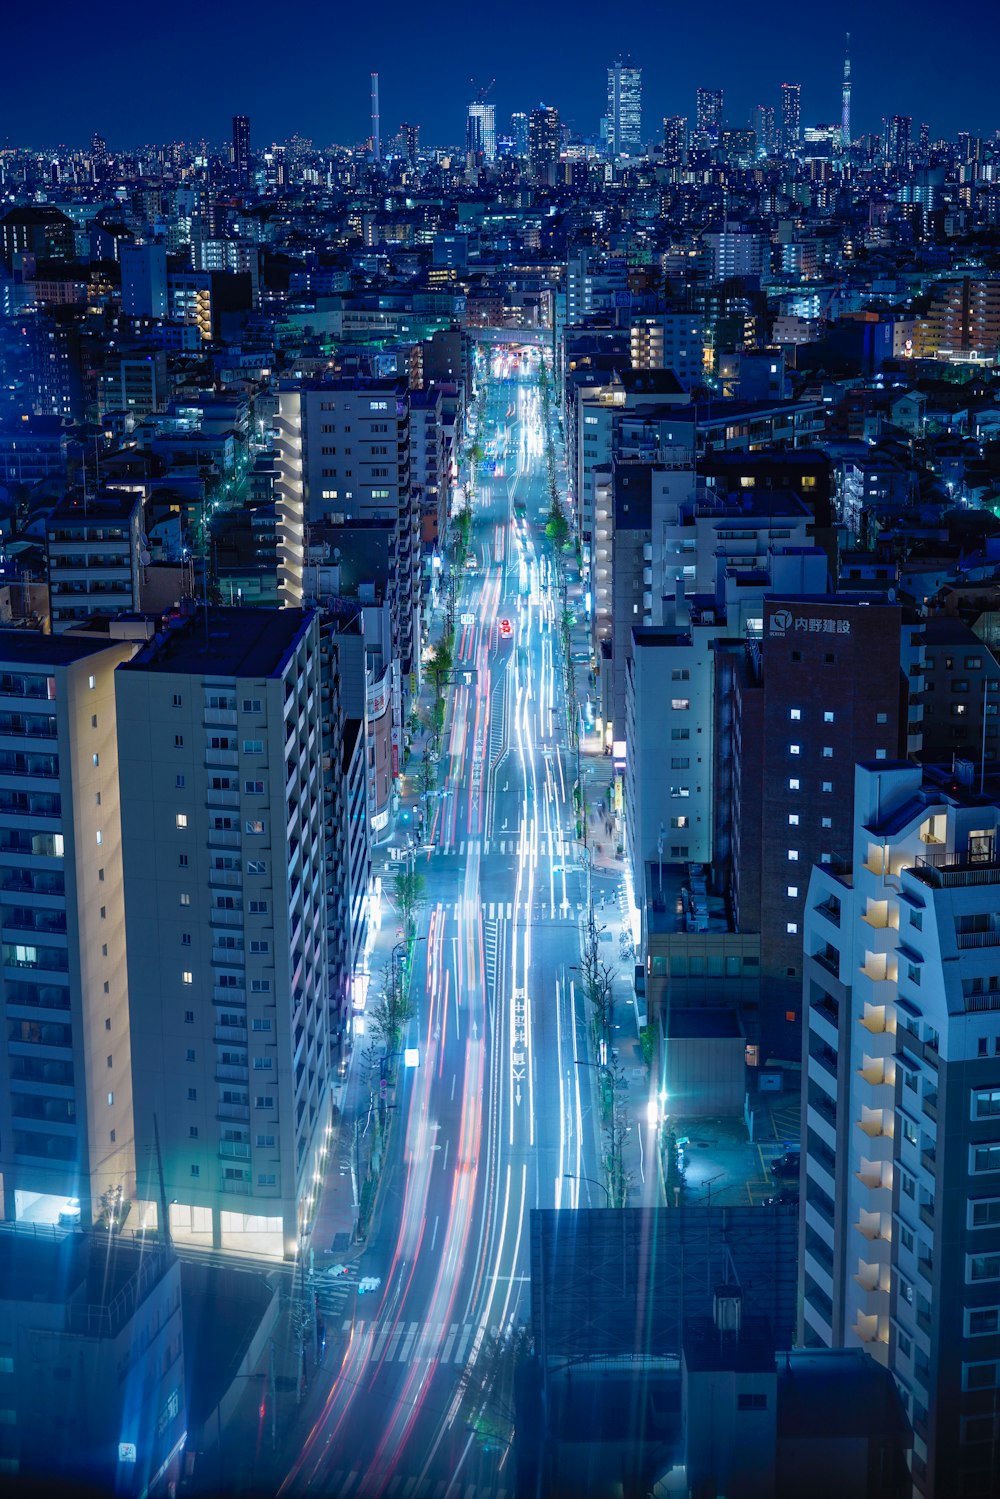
(788, 1163)
(69, 1213)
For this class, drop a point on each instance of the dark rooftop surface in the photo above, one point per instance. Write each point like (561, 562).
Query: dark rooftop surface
(225, 643)
(26, 648)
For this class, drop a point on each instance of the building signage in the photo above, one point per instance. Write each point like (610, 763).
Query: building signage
(784, 622)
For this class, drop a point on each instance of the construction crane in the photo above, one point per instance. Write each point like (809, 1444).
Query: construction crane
(480, 94)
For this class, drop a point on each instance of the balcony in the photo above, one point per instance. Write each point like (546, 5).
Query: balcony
(225, 1073)
(234, 1150)
(929, 1103)
(928, 1159)
(988, 938)
(233, 1112)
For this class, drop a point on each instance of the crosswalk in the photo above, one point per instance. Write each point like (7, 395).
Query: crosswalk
(355, 1484)
(538, 910)
(410, 1342)
(491, 933)
(548, 848)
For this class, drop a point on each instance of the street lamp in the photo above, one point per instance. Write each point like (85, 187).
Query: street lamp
(576, 1177)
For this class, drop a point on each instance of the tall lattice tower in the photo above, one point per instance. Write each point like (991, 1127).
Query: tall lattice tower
(845, 117)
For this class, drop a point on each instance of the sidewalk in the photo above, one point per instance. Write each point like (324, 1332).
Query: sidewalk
(608, 886)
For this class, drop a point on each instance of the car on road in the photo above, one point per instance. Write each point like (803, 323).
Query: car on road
(368, 1283)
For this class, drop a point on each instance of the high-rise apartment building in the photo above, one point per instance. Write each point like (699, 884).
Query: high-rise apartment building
(624, 109)
(963, 316)
(144, 280)
(411, 140)
(221, 769)
(544, 143)
(65, 1069)
(519, 133)
(94, 552)
(480, 132)
(821, 690)
(241, 150)
(897, 141)
(708, 116)
(900, 1234)
(344, 456)
(791, 115)
(762, 123)
(675, 131)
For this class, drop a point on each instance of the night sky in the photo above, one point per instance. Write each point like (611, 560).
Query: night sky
(140, 73)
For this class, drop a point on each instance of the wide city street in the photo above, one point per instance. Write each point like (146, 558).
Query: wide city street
(497, 1117)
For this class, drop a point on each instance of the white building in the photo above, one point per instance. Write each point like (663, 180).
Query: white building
(221, 770)
(95, 558)
(900, 1235)
(65, 1071)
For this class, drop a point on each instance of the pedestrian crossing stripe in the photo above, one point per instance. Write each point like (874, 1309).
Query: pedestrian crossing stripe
(413, 1342)
(540, 911)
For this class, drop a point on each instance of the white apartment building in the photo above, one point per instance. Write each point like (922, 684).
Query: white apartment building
(95, 558)
(344, 455)
(900, 1233)
(221, 769)
(669, 341)
(65, 1074)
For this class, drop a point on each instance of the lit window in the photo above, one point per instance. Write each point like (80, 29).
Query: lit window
(185, 899)
(793, 819)
(793, 784)
(794, 749)
(826, 822)
(881, 718)
(880, 754)
(828, 752)
(91, 683)
(827, 786)
(255, 825)
(100, 837)
(828, 718)
(111, 1100)
(793, 853)
(795, 713)
(793, 891)
(680, 703)
(187, 977)
(791, 927)
(181, 820)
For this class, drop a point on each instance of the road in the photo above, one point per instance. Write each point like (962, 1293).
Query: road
(496, 1113)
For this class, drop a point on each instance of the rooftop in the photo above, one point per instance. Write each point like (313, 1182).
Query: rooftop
(26, 648)
(225, 643)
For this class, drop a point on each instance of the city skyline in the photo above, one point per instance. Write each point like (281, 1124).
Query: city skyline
(897, 68)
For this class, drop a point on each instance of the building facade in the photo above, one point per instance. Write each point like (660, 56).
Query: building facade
(221, 767)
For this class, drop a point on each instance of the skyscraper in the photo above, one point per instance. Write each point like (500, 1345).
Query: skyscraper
(241, 150)
(708, 115)
(675, 132)
(519, 133)
(791, 115)
(624, 109)
(411, 138)
(845, 116)
(480, 131)
(543, 143)
(898, 141)
(762, 121)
